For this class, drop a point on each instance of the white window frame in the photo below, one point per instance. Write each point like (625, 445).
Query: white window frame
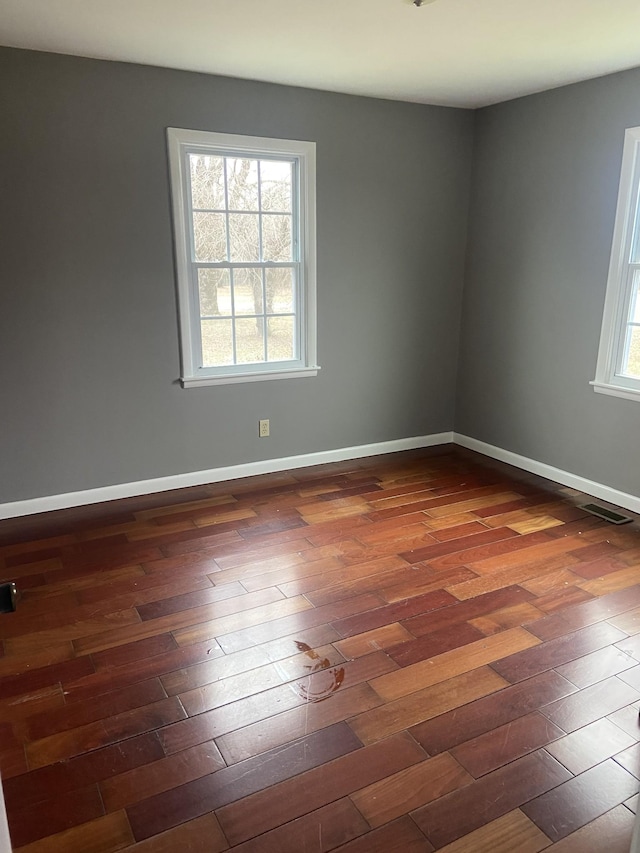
(180, 143)
(626, 240)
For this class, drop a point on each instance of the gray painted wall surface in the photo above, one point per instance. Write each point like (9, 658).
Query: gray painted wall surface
(544, 190)
(88, 330)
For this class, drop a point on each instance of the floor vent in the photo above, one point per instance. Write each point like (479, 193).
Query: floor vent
(606, 514)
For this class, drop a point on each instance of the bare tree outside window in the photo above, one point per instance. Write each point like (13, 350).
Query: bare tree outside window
(243, 220)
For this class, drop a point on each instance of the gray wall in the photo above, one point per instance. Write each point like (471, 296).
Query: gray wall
(88, 330)
(544, 189)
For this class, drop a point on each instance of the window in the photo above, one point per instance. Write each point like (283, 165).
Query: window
(618, 367)
(244, 226)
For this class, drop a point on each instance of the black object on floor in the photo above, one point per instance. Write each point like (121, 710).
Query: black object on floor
(8, 597)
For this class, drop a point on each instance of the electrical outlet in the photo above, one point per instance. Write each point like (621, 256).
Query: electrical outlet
(263, 428)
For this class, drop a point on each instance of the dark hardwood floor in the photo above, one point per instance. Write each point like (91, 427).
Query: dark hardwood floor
(423, 651)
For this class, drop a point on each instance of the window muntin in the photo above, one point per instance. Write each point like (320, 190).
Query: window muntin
(245, 248)
(618, 366)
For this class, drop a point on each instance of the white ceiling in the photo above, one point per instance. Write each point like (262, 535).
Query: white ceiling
(466, 53)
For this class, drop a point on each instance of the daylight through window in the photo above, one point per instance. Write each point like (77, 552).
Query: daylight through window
(244, 232)
(618, 367)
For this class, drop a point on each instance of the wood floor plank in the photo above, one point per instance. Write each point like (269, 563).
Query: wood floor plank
(430, 645)
(306, 718)
(292, 798)
(425, 579)
(401, 836)
(463, 506)
(485, 714)
(21, 664)
(494, 795)
(550, 583)
(408, 789)
(590, 704)
(507, 617)
(588, 670)
(512, 832)
(455, 662)
(187, 600)
(82, 583)
(612, 582)
(553, 653)
(562, 598)
(458, 546)
(195, 625)
(501, 579)
(322, 830)
(498, 747)
(384, 615)
(535, 523)
(580, 800)
(45, 676)
(46, 700)
(138, 650)
(55, 814)
(424, 704)
(496, 547)
(628, 622)
(588, 746)
(289, 652)
(113, 678)
(611, 832)
(462, 611)
(66, 744)
(45, 723)
(312, 617)
(608, 606)
(385, 585)
(380, 638)
(29, 788)
(185, 802)
(159, 776)
(541, 551)
(281, 570)
(597, 568)
(201, 835)
(78, 632)
(103, 835)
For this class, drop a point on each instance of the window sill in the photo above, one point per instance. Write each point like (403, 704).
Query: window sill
(258, 376)
(616, 390)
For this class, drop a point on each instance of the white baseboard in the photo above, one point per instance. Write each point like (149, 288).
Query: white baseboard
(5, 841)
(270, 466)
(590, 487)
(216, 475)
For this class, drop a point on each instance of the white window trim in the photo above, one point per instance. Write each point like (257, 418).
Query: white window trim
(614, 319)
(180, 140)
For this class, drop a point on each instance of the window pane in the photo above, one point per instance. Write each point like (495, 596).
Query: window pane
(244, 237)
(217, 342)
(215, 292)
(275, 184)
(247, 291)
(207, 181)
(242, 181)
(280, 340)
(279, 283)
(250, 340)
(209, 237)
(632, 366)
(276, 238)
(634, 307)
